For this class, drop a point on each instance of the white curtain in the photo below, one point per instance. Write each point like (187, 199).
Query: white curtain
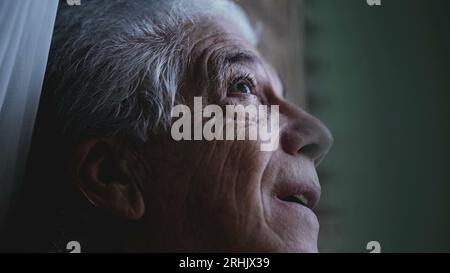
(26, 28)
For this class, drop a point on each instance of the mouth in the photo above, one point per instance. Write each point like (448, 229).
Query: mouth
(297, 198)
(304, 194)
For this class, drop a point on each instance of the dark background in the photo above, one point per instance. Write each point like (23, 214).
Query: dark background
(379, 78)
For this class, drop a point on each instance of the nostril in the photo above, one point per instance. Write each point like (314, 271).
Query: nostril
(311, 150)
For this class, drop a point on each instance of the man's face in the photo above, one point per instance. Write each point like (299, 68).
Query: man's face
(226, 195)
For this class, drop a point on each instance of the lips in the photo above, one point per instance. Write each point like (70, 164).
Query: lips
(301, 193)
(297, 198)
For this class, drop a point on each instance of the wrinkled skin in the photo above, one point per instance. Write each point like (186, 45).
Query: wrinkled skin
(226, 195)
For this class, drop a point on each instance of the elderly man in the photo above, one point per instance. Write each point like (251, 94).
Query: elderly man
(116, 70)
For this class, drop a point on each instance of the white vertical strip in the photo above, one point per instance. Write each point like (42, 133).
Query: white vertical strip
(26, 28)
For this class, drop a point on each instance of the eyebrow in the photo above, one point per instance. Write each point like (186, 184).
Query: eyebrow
(231, 58)
(247, 57)
(240, 57)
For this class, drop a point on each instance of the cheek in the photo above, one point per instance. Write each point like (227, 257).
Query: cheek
(212, 186)
(226, 198)
(231, 175)
(206, 175)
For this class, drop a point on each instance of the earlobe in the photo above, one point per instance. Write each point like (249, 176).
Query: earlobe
(97, 169)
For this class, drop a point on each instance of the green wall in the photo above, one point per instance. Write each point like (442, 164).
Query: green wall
(379, 78)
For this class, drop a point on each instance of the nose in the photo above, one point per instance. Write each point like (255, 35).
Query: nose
(305, 135)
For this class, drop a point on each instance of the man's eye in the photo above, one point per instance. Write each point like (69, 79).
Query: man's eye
(242, 87)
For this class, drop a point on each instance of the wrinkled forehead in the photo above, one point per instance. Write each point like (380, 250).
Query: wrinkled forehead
(218, 34)
(217, 44)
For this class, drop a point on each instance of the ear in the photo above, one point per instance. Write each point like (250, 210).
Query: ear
(99, 170)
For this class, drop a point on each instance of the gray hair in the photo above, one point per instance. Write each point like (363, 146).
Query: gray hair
(115, 66)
